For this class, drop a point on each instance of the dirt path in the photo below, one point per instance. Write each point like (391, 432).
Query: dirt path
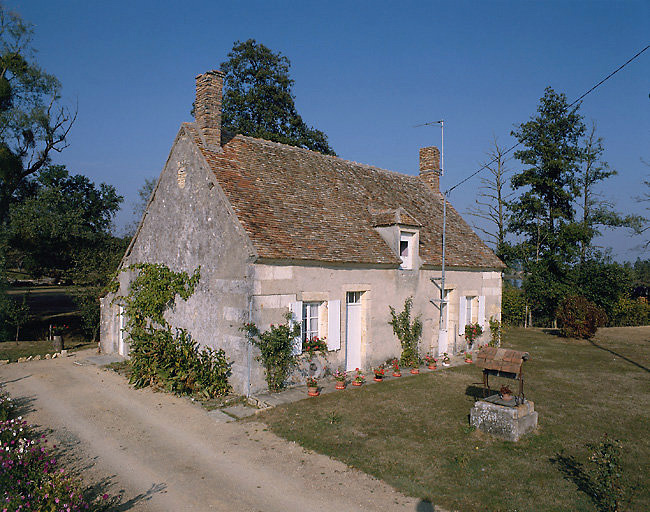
(163, 453)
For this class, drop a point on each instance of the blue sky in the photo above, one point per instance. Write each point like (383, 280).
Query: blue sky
(365, 73)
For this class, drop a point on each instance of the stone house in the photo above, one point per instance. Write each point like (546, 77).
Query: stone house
(276, 228)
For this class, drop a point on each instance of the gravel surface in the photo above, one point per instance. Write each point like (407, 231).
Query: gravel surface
(164, 453)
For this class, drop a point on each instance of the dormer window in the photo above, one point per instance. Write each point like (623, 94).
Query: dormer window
(407, 249)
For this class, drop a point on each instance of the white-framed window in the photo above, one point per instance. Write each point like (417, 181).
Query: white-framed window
(310, 320)
(469, 309)
(407, 249)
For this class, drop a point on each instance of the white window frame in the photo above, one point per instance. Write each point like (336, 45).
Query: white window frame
(310, 315)
(408, 260)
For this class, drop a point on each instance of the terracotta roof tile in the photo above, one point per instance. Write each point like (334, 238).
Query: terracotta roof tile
(302, 205)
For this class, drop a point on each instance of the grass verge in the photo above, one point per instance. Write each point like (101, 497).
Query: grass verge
(12, 350)
(414, 433)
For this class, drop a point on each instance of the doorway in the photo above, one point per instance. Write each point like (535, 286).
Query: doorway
(353, 330)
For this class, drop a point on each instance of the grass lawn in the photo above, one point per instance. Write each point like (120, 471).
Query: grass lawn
(12, 350)
(413, 433)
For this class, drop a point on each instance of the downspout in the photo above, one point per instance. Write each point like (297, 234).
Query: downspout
(248, 349)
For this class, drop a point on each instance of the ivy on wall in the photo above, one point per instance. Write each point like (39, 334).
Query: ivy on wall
(162, 356)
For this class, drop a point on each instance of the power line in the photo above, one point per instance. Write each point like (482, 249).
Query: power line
(519, 143)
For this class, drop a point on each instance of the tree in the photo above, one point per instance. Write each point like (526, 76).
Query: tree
(596, 211)
(543, 214)
(65, 215)
(258, 101)
(32, 123)
(18, 313)
(491, 203)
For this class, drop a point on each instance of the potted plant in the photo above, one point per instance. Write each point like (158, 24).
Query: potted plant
(468, 356)
(506, 393)
(379, 373)
(340, 376)
(431, 361)
(415, 366)
(312, 387)
(359, 378)
(396, 372)
(472, 332)
(314, 345)
(445, 359)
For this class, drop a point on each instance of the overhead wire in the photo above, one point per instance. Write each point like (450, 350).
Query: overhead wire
(485, 166)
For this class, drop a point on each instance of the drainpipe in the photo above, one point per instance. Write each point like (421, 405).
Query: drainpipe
(248, 349)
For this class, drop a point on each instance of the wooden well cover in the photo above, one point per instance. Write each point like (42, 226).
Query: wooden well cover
(501, 359)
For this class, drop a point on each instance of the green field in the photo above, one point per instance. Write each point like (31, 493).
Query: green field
(413, 433)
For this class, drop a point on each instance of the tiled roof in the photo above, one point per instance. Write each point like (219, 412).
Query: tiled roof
(297, 204)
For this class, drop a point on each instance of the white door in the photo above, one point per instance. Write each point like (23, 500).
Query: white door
(121, 345)
(353, 331)
(443, 343)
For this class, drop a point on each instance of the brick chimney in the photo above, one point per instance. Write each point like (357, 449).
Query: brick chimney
(207, 106)
(430, 167)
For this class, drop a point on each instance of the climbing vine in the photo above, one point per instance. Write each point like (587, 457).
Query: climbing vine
(160, 356)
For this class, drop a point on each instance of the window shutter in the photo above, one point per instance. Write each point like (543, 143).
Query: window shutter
(481, 310)
(296, 318)
(334, 325)
(462, 315)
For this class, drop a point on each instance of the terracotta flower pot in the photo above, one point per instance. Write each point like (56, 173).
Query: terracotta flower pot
(355, 383)
(313, 391)
(506, 398)
(415, 371)
(468, 361)
(397, 374)
(340, 385)
(432, 367)
(378, 379)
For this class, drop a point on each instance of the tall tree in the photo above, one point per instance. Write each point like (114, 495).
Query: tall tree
(32, 123)
(258, 101)
(543, 214)
(491, 201)
(596, 211)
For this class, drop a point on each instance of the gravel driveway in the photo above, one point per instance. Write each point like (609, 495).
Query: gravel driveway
(164, 453)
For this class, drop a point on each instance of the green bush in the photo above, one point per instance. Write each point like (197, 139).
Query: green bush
(276, 350)
(513, 306)
(407, 332)
(173, 361)
(628, 312)
(579, 318)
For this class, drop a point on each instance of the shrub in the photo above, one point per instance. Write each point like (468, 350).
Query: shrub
(407, 332)
(276, 347)
(6, 407)
(173, 361)
(513, 305)
(579, 318)
(630, 312)
(496, 332)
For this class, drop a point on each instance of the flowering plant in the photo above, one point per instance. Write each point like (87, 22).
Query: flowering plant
(468, 355)
(430, 360)
(445, 358)
(359, 377)
(379, 371)
(472, 332)
(59, 330)
(505, 390)
(396, 365)
(313, 345)
(312, 382)
(340, 376)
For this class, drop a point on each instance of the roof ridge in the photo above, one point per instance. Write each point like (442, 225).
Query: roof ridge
(282, 145)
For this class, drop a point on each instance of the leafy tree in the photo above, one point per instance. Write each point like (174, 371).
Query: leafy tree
(258, 101)
(18, 313)
(65, 215)
(491, 203)
(32, 123)
(543, 214)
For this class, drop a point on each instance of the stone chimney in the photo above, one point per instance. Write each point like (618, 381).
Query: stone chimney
(207, 106)
(430, 167)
